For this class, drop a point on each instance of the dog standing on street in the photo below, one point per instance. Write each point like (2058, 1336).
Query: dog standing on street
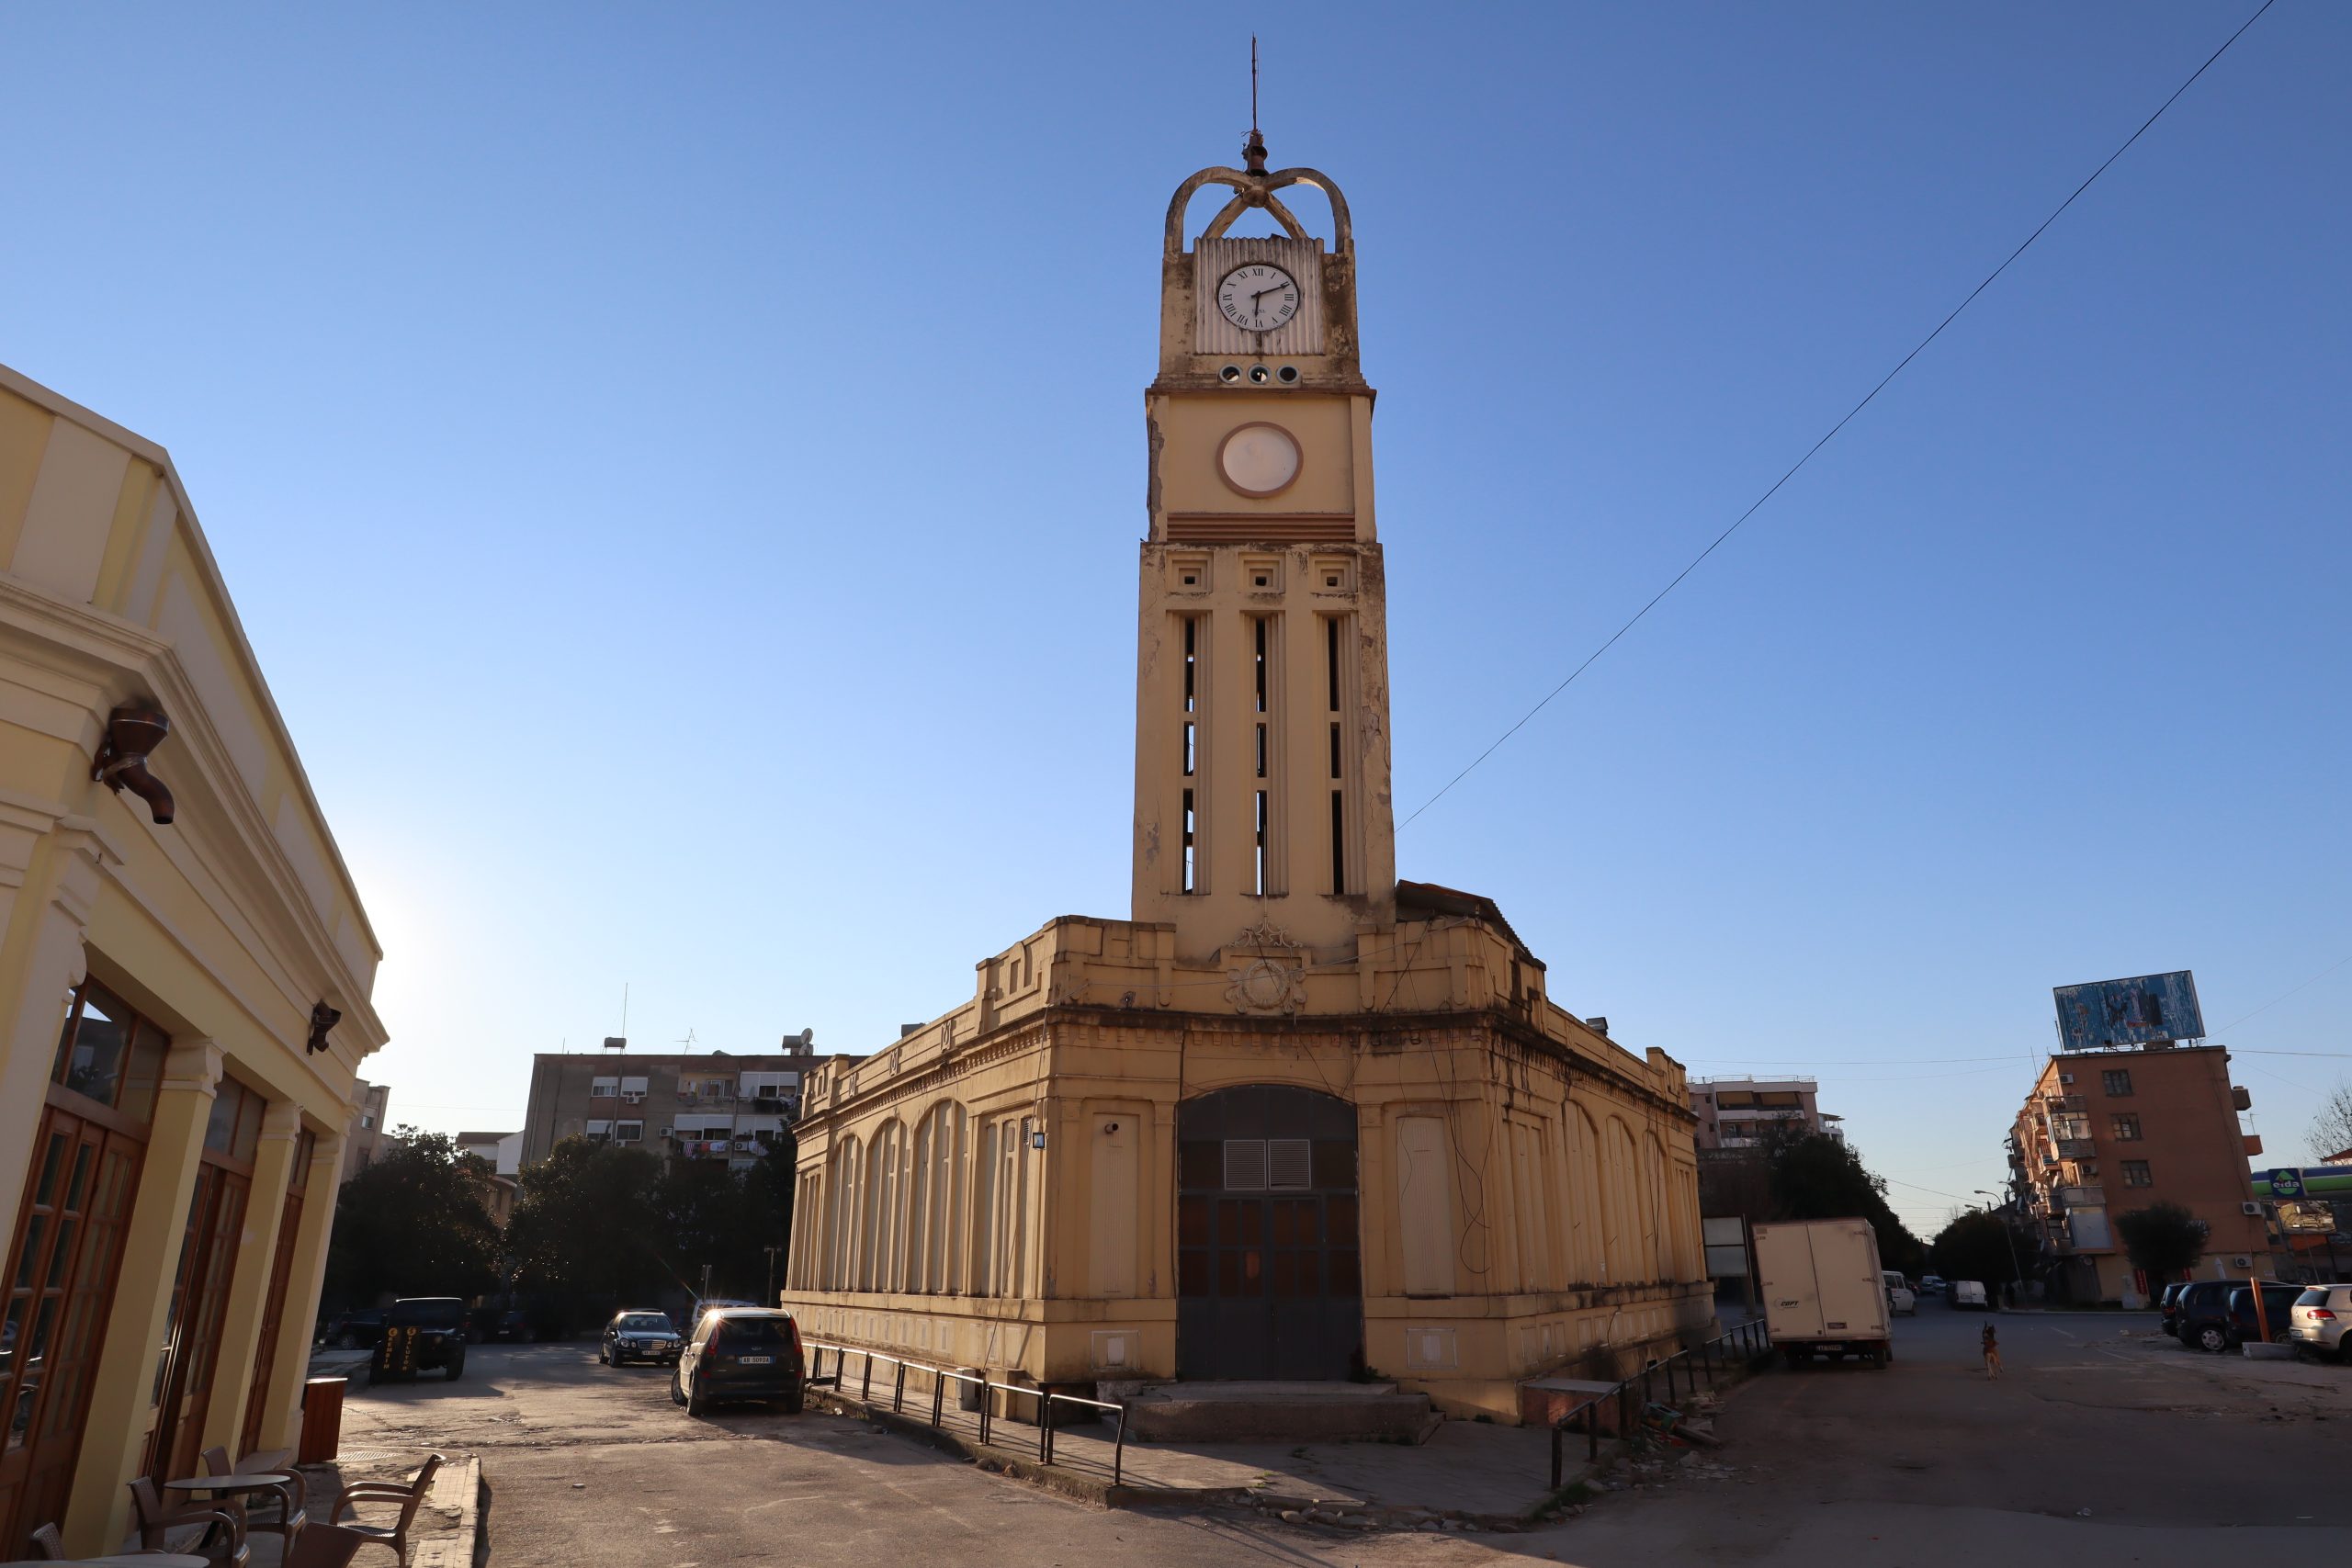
(1992, 1352)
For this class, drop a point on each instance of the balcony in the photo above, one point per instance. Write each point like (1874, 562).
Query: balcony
(2078, 1197)
(2061, 1103)
(2077, 1148)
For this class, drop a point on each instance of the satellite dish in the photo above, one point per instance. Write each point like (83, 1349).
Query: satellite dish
(807, 1037)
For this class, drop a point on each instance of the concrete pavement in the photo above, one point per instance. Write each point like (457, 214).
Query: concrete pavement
(1924, 1464)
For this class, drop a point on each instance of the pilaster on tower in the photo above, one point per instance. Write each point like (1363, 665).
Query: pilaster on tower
(1261, 676)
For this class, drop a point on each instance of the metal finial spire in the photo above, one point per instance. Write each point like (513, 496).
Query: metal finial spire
(1253, 151)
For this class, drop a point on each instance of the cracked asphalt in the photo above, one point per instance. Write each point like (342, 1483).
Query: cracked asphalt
(2096, 1446)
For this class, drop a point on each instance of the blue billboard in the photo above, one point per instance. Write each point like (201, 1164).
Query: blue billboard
(2129, 1012)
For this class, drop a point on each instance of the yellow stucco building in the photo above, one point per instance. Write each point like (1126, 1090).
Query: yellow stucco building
(184, 970)
(1295, 1119)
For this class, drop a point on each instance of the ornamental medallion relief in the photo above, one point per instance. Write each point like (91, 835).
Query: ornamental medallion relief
(1274, 981)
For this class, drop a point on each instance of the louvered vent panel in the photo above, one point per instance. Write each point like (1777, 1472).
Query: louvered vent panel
(1245, 1165)
(1302, 259)
(1291, 1165)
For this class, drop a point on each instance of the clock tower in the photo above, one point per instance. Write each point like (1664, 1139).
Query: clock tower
(1263, 810)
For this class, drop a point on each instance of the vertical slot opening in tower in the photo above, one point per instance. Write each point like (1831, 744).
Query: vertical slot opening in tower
(1189, 886)
(1338, 844)
(1261, 843)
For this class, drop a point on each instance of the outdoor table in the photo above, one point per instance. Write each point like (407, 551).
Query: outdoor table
(233, 1487)
(128, 1559)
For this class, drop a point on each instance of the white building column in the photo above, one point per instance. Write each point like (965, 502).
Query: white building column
(51, 870)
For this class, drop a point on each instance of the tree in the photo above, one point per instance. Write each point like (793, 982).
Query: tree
(1979, 1246)
(2162, 1240)
(581, 1232)
(1817, 1177)
(2331, 1131)
(412, 1224)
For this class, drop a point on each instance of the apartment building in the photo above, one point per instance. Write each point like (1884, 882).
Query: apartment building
(368, 1129)
(1734, 1113)
(2104, 1132)
(503, 1152)
(719, 1105)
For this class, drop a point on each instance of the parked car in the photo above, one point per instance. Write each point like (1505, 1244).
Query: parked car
(498, 1323)
(2277, 1315)
(639, 1335)
(421, 1334)
(2205, 1312)
(741, 1353)
(1931, 1284)
(350, 1330)
(2319, 1317)
(1900, 1297)
(1967, 1296)
(2168, 1307)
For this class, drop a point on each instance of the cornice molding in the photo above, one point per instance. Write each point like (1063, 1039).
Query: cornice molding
(111, 656)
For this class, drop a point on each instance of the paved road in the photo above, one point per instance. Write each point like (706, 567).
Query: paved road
(1924, 1464)
(2094, 1448)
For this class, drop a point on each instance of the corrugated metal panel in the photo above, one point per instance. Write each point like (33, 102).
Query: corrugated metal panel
(1302, 259)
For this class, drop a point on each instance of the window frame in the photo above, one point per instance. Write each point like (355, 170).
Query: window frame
(2138, 1173)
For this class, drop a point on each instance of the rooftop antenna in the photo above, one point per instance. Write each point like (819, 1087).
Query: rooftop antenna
(1253, 151)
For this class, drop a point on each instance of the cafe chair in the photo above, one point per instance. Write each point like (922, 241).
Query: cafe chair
(408, 1498)
(325, 1546)
(282, 1512)
(223, 1540)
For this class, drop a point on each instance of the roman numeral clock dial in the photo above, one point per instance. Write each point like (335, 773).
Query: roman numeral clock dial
(1257, 298)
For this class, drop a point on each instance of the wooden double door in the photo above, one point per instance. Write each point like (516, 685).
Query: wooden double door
(66, 1255)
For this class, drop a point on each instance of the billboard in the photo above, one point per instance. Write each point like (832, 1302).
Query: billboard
(2129, 1012)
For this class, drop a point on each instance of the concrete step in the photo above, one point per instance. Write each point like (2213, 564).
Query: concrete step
(1270, 1411)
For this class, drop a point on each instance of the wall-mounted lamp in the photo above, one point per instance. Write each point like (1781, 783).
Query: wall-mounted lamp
(134, 730)
(1037, 1139)
(323, 1018)
(1109, 1126)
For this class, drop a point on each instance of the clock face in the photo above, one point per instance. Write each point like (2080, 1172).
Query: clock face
(1258, 296)
(1259, 460)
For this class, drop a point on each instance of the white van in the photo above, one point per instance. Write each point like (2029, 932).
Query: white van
(1967, 1296)
(1900, 1298)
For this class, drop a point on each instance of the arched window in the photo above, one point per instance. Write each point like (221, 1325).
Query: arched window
(935, 1233)
(1657, 1216)
(842, 1217)
(1587, 1252)
(1621, 1205)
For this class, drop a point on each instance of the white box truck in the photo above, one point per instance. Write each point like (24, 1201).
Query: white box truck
(1824, 1293)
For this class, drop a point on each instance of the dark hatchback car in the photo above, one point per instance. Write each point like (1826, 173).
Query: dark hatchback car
(2278, 1314)
(2168, 1307)
(350, 1330)
(2204, 1312)
(741, 1353)
(498, 1323)
(421, 1334)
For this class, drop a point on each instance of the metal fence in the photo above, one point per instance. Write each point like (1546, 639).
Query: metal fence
(1710, 1358)
(895, 1395)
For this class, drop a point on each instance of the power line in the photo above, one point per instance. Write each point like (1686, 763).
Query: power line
(1857, 408)
(2284, 995)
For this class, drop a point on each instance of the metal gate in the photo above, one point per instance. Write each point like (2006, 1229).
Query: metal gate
(1267, 1281)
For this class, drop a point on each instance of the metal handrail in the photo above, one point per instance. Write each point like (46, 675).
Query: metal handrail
(1752, 1337)
(942, 1376)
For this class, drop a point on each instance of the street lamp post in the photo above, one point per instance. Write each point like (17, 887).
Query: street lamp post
(770, 1250)
(2016, 1270)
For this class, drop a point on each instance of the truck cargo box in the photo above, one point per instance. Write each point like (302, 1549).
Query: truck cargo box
(1824, 1292)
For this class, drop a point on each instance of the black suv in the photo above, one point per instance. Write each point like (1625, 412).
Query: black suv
(2168, 1307)
(2203, 1313)
(421, 1334)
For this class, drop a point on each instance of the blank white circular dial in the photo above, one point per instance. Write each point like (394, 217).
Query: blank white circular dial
(1259, 460)
(1258, 296)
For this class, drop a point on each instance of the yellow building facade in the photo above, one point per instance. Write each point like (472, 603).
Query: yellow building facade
(1295, 1119)
(185, 971)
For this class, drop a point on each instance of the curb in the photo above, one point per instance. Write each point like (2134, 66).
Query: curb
(459, 1546)
(1072, 1483)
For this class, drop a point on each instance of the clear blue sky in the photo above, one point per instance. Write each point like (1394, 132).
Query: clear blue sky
(682, 468)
